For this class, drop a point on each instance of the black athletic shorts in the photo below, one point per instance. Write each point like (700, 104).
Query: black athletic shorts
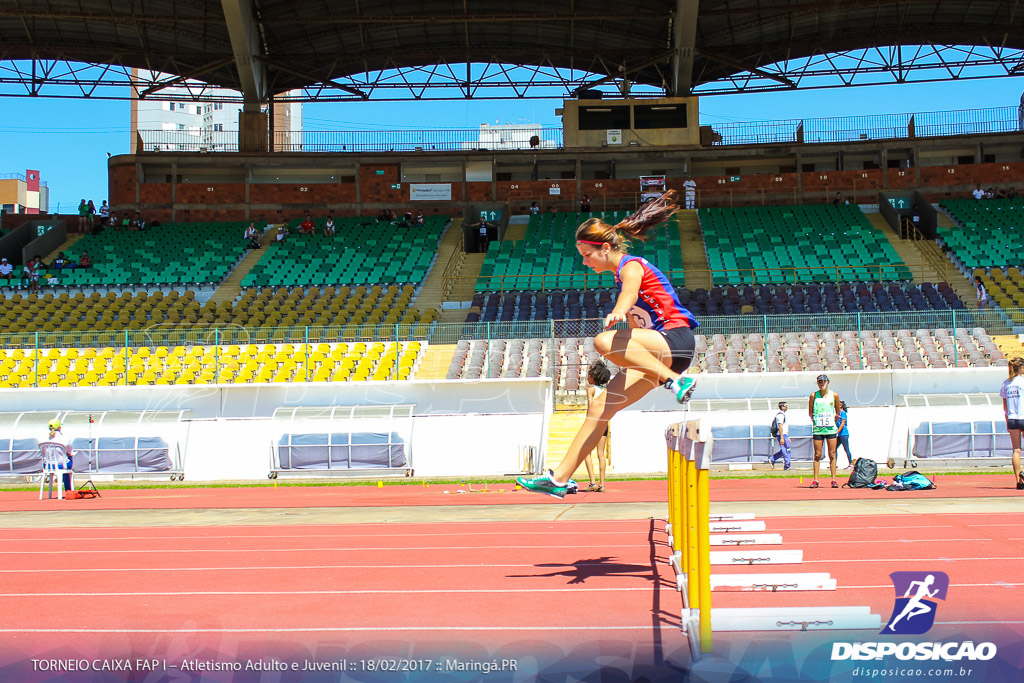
(1014, 424)
(683, 345)
(825, 437)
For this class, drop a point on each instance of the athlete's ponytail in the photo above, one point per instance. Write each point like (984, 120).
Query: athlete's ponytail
(636, 226)
(1015, 366)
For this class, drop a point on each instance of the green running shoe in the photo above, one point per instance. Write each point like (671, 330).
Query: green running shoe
(542, 484)
(682, 387)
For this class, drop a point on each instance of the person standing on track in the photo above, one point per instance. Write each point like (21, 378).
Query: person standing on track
(824, 407)
(843, 437)
(656, 349)
(1012, 392)
(782, 436)
(597, 380)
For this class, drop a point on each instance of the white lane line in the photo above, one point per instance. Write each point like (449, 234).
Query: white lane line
(108, 551)
(461, 534)
(441, 591)
(999, 584)
(901, 540)
(916, 559)
(346, 629)
(233, 568)
(848, 530)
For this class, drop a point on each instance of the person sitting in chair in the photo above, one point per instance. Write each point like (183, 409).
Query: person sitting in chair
(55, 428)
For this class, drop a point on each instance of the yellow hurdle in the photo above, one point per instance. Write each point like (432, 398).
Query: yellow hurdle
(689, 509)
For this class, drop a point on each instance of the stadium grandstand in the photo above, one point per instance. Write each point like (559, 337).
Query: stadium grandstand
(843, 243)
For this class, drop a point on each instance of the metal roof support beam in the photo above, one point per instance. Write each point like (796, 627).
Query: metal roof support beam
(246, 43)
(684, 38)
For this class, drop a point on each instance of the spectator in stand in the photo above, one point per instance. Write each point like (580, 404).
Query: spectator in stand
(982, 292)
(138, 223)
(329, 226)
(104, 213)
(34, 269)
(6, 270)
(534, 209)
(990, 193)
(915, 216)
(91, 217)
(1000, 194)
(85, 261)
(282, 233)
(252, 236)
(1011, 193)
(837, 200)
(62, 262)
(126, 221)
(83, 215)
(419, 218)
(585, 204)
(690, 192)
(978, 193)
(307, 226)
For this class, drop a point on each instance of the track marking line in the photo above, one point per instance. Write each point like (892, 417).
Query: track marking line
(1000, 584)
(91, 539)
(440, 591)
(292, 567)
(917, 559)
(107, 551)
(344, 629)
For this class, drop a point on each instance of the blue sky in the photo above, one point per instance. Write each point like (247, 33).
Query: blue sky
(67, 140)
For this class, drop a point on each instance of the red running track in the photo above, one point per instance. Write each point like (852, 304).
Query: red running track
(239, 592)
(577, 596)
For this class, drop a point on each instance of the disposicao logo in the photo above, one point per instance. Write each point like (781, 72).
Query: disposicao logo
(916, 605)
(917, 596)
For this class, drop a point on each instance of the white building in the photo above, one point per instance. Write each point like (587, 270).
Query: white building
(188, 126)
(511, 136)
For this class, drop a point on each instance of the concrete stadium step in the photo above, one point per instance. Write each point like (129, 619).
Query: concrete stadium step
(70, 240)
(232, 285)
(921, 268)
(432, 294)
(1009, 344)
(435, 362)
(695, 259)
(565, 423)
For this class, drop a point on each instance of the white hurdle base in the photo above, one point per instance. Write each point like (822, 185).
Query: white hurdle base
(772, 583)
(794, 619)
(754, 556)
(727, 527)
(740, 540)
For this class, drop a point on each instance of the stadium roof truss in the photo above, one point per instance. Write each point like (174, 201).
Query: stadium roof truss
(336, 50)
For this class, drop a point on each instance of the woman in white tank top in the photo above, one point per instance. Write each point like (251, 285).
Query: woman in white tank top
(1012, 393)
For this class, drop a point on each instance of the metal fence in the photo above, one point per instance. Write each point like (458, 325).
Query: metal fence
(830, 129)
(126, 343)
(431, 140)
(876, 127)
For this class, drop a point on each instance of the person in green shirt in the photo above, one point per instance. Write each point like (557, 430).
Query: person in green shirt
(824, 407)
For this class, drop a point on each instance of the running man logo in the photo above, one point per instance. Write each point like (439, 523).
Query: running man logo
(914, 611)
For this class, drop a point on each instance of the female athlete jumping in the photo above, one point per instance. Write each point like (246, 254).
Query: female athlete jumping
(654, 351)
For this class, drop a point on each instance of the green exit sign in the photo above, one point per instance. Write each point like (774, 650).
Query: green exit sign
(396, 186)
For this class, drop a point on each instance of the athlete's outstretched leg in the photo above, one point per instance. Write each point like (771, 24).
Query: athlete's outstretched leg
(624, 389)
